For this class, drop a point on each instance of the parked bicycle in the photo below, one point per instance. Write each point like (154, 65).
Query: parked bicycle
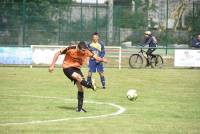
(139, 60)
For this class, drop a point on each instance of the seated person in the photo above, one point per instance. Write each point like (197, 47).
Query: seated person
(196, 42)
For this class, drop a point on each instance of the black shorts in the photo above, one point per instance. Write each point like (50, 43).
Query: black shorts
(69, 71)
(150, 51)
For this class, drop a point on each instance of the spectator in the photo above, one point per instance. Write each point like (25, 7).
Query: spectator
(196, 42)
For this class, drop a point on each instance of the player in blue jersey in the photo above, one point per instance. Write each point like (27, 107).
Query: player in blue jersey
(97, 47)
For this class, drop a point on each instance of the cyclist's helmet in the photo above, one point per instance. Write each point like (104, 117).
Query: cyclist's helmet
(147, 32)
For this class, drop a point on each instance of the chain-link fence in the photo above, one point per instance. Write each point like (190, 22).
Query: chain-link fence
(60, 22)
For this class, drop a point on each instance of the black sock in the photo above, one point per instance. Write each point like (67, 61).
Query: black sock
(89, 79)
(80, 98)
(86, 84)
(103, 82)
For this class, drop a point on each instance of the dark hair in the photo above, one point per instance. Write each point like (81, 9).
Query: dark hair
(82, 45)
(95, 33)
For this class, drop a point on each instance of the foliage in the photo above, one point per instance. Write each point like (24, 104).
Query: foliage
(138, 4)
(134, 19)
(193, 20)
(131, 20)
(35, 17)
(123, 2)
(166, 38)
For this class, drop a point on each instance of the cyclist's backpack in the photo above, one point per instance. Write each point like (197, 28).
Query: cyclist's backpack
(155, 41)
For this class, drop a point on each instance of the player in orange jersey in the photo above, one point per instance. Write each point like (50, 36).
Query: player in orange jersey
(75, 57)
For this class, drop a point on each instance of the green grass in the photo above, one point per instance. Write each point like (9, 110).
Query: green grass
(168, 102)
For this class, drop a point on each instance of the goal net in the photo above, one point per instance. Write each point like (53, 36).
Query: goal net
(43, 55)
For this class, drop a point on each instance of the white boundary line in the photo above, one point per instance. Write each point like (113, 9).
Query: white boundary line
(119, 111)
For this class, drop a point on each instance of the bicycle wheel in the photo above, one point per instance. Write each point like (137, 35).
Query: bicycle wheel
(157, 61)
(135, 61)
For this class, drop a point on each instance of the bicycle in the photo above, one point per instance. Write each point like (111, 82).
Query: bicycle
(136, 60)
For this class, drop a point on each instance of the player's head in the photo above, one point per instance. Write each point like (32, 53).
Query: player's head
(82, 46)
(147, 33)
(95, 37)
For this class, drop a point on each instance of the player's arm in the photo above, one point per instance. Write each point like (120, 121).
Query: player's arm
(102, 53)
(100, 59)
(55, 58)
(57, 54)
(97, 58)
(93, 55)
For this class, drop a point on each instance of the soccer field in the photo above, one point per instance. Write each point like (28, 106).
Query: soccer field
(35, 101)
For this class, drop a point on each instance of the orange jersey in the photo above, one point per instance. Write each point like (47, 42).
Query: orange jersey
(75, 58)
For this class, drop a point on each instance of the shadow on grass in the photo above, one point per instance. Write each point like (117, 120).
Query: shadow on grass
(67, 108)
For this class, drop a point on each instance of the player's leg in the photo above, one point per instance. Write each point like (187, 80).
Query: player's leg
(92, 69)
(82, 81)
(80, 97)
(100, 70)
(75, 74)
(89, 77)
(103, 81)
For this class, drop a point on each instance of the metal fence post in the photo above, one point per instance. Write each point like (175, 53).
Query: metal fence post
(192, 17)
(110, 22)
(96, 15)
(167, 27)
(81, 34)
(106, 24)
(23, 21)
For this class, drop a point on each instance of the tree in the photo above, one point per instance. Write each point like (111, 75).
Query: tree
(126, 18)
(39, 19)
(178, 12)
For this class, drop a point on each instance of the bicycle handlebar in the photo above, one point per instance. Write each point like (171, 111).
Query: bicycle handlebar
(141, 50)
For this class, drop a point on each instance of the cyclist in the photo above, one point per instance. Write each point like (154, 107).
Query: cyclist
(152, 42)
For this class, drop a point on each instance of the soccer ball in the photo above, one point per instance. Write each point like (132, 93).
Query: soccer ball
(132, 94)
